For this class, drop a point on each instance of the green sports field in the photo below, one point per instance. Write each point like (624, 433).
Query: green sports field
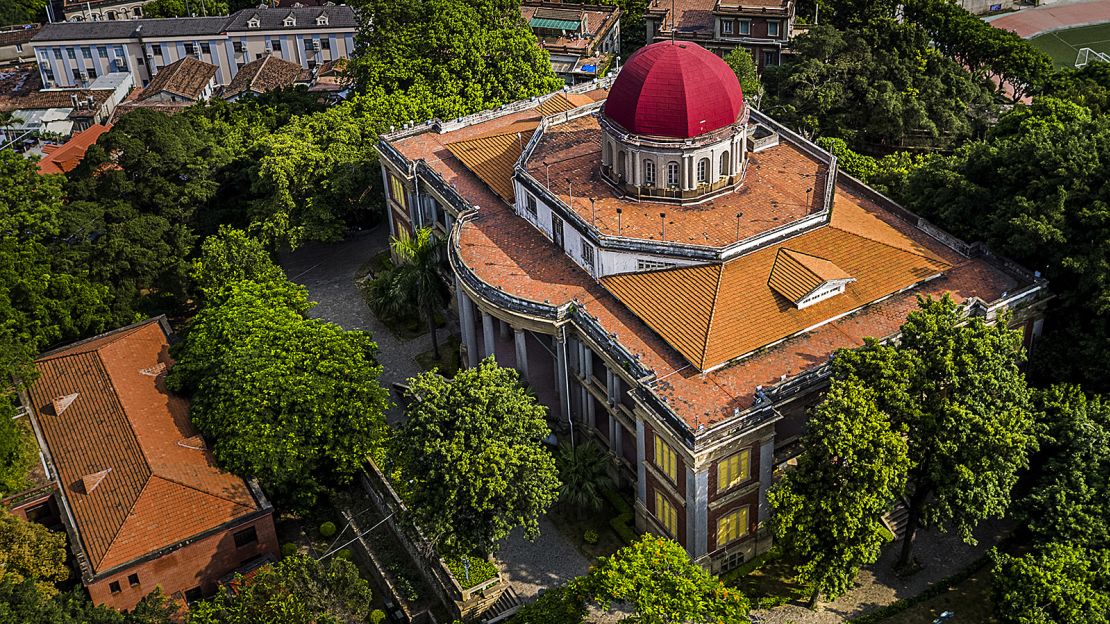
(1064, 45)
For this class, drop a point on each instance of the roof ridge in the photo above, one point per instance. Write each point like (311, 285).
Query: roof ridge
(130, 511)
(261, 66)
(712, 315)
(123, 410)
(196, 489)
(789, 252)
(931, 257)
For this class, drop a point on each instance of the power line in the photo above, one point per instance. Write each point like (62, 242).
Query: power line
(345, 544)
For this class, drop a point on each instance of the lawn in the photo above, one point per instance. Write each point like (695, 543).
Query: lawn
(1064, 45)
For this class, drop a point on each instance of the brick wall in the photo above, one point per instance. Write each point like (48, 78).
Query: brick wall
(653, 486)
(200, 564)
(753, 474)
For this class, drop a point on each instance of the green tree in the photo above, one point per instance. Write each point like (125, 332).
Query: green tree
(18, 450)
(178, 8)
(565, 604)
(471, 449)
(584, 473)
(828, 509)
(1057, 584)
(296, 590)
(290, 400)
(656, 577)
(25, 603)
(467, 55)
(232, 256)
(416, 282)
(30, 551)
(953, 383)
(743, 65)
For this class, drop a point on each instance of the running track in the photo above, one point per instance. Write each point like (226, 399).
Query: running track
(1032, 22)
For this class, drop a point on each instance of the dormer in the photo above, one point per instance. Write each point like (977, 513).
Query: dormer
(290, 20)
(322, 19)
(804, 279)
(254, 21)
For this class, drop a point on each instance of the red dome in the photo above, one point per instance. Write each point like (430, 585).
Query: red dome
(674, 89)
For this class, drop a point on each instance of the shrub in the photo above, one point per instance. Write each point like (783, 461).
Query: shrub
(622, 528)
(590, 536)
(377, 616)
(288, 549)
(327, 529)
(481, 571)
(345, 554)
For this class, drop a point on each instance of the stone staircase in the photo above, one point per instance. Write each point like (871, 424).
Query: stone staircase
(895, 519)
(505, 607)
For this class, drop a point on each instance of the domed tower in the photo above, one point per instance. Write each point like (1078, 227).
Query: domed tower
(674, 125)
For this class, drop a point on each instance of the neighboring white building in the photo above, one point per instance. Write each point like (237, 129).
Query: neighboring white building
(72, 53)
(102, 10)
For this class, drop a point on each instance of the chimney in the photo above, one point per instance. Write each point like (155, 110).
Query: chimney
(73, 100)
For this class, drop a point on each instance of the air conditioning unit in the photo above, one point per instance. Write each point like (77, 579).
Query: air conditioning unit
(315, 45)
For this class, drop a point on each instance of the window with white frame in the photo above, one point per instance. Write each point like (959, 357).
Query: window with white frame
(587, 254)
(290, 21)
(724, 165)
(653, 265)
(745, 26)
(649, 171)
(322, 20)
(703, 170)
(672, 173)
(726, 27)
(530, 205)
(773, 28)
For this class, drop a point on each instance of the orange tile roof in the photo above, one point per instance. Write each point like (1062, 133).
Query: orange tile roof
(781, 184)
(65, 158)
(795, 274)
(492, 157)
(155, 489)
(740, 311)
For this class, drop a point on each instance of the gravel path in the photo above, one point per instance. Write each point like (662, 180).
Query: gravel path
(330, 272)
(547, 562)
(878, 586)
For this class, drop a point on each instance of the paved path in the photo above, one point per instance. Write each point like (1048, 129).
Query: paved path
(1035, 21)
(330, 272)
(547, 562)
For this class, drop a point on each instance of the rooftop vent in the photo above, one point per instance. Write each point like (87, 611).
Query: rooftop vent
(91, 481)
(155, 370)
(63, 402)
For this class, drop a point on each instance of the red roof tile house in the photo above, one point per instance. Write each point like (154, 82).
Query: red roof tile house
(671, 271)
(65, 157)
(141, 498)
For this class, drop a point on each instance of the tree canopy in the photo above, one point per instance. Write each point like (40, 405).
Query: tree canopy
(471, 450)
(290, 400)
(296, 590)
(31, 552)
(462, 56)
(656, 577)
(828, 509)
(18, 449)
(953, 383)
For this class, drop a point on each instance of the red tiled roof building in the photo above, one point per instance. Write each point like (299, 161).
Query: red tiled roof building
(671, 270)
(141, 498)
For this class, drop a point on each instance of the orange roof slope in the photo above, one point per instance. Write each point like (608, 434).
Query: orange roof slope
(746, 313)
(795, 275)
(492, 157)
(150, 484)
(66, 157)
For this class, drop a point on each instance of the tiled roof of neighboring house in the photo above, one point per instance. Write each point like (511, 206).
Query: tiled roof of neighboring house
(56, 99)
(261, 75)
(697, 17)
(274, 18)
(599, 20)
(506, 252)
(130, 465)
(19, 35)
(714, 313)
(186, 77)
(795, 274)
(127, 29)
(65, 158)
(270, 19)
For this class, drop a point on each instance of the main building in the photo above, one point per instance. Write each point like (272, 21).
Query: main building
(671, 271)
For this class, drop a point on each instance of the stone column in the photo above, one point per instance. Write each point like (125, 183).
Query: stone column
(521, 352)
(697, 512)
(766, 468)
(466, 322)
(562, 372)
(487, 335)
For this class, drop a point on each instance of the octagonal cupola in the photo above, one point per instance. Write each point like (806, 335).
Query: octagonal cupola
(674, 125)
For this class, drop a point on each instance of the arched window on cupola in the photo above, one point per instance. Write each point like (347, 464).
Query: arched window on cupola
(703, 171)
(622, 166)
(724, 165)
(607, 154)
(649, 172)
(672, 173)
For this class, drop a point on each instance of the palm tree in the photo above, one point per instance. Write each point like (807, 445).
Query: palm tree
(7, 118)
(416, 282)
(584, 471)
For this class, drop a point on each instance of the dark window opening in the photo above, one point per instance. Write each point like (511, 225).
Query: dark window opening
(114, 587)
(246, 537)
(132, 579)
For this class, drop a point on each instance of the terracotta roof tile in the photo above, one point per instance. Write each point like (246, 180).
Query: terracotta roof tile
(125, 426)
(65, 158)
(261, 75)
(492, 157)
(186, 78)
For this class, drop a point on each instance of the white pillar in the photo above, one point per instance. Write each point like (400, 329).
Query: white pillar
(487, 335)
(521, 352)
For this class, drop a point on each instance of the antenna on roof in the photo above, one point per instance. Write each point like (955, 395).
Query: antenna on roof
(672, 21)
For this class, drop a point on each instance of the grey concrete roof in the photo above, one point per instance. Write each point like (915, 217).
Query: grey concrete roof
(271, 19)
